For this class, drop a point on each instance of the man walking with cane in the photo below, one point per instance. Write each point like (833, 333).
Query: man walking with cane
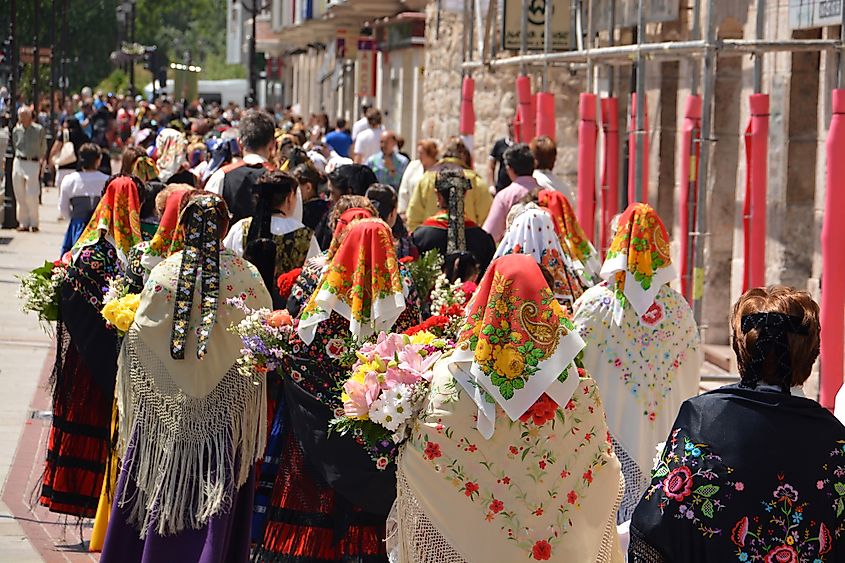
(30, 144)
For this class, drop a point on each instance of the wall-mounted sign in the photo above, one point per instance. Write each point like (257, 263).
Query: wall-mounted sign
(535, 38)
(804, 14)
(627, 12)
(366, 67)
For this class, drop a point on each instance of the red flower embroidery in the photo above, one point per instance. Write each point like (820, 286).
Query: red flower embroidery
(538, 512)
(542, 551)
(678, 484)
(572, 497)
(496, 506)
(570, 406)
(541, 411)
(740, 531)
(588, 436)
(470, 488)
(588, 476)
(432, 451)
(472, 448)
(506, 480)
(564, 474)
(782, 554)
(542, 464)
(654, 314)
(513, 450)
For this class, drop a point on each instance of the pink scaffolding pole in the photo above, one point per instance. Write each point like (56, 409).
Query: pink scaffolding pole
(546, 115)
(610, 169)
(467, 109)
(587, 133)
(754, 208)
(632, 152)
(833, 249)
(690, 147)
(524, 101)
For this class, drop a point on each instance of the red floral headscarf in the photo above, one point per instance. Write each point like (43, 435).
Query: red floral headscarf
(168, 238)
(573, 239)
(516, 343)
(346, 218)
(361, 282)
(638, 259)
(117, 217)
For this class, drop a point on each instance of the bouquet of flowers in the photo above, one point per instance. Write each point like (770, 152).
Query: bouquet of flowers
(447, 298)
(386, 388)
(119, 306)
(39, 291)
(265, 336)
(424, 271)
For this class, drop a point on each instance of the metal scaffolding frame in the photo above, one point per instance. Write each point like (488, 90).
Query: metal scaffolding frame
(706, 48)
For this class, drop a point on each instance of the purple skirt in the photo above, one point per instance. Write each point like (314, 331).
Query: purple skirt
(225, 539)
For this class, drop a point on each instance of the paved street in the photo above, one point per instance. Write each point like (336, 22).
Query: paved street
(28, 533)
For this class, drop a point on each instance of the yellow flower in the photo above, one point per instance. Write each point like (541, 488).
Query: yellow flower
(501, 306)
(423, 337)
(509, 362)
(482, 350)
(120, 313)
(790, 540)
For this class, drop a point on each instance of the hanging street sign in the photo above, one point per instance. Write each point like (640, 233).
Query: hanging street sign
(627, 12)
(805, 14)
(535, 38)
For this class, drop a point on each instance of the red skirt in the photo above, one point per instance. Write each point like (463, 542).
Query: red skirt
(304, 524)
(77, 450)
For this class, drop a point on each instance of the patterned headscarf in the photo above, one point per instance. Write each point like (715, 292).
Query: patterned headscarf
(638, 260)
(168, 238)
(361, 282)
(574, 241)
(346, 218)
(515, 344)
(117, 217)
(171, 148)
(144, 168)
(200, 258)
(532, 232)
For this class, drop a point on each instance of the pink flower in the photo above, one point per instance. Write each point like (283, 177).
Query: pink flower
(361, 395)
(678, 484)
(739, 486)
(820, 484)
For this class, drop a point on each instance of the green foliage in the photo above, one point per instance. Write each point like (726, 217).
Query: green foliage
(214, 67)
(117, 81)
(424, 270)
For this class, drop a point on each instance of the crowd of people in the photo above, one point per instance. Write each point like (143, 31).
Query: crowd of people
(565, 425)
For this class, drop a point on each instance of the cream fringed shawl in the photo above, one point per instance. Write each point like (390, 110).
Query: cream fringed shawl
(194, 427)
(545, 487)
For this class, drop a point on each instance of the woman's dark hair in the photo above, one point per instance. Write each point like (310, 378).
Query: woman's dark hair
(275, 187)
(257, 129)
(456, 148)
(347, 202)
(447, 178)
(148, 205)
(306, 173)
(520, 159)
(353, 179)
(462, 266)
(89, 156)
(797, 317)
(384, 199)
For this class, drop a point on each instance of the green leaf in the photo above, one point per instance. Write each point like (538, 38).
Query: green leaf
(488, 329)
(506, 390)
(518, 383)
(840, 506)
(494, 339)
(707, 490)
(661, 471)
(707, 508)
(839, 488)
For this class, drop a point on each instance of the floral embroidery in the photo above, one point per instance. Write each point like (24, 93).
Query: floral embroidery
(643, 238)
(534, 518)
(684, 480)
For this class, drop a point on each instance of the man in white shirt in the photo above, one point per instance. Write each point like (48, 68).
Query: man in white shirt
(368, 141)
(361, 124)
(545, 154)
(80, 192)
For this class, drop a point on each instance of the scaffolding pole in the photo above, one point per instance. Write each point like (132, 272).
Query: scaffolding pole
(707, 94)
(639, 130)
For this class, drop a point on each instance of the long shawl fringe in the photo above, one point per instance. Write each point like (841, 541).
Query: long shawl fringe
(189, 455)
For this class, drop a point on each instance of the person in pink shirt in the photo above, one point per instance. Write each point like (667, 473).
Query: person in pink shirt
(519, 163)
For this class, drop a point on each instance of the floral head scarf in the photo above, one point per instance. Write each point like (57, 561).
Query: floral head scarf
(515, 344)
(168, 238)
(117, 217)
(572, 237)
(361, 282)
(171, 149)
(346, 218)
(144, 168)
(532, 232)
(638, 260)
(200, 261)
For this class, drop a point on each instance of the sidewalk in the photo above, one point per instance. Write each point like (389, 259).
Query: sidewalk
(28, 533)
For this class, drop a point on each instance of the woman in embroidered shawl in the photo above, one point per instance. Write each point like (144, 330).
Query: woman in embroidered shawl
(574, 241)
(192, 422)
(531, 231)
(273, 239)
(643, 348)
(510, 459)
(86, 354)
(751, 471)
(329, 503)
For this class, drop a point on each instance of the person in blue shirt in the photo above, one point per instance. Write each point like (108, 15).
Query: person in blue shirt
(340, 140)
(83, 116)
